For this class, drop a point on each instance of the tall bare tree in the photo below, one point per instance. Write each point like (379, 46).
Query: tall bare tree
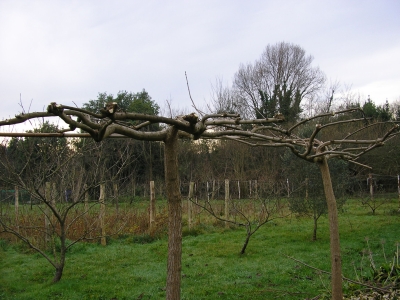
(277, 82)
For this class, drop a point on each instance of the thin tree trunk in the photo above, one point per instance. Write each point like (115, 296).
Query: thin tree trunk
(58, 274)
(63, 250)
(246, 242)
(336, 263)
(47, 213)
(174, 264)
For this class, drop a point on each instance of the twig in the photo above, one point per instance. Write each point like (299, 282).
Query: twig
(344, 278)
(169, 107)
(194, 105)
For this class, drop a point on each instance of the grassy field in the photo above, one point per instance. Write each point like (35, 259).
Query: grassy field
(130, 268)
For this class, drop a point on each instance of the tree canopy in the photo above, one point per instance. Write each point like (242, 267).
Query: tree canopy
(277, 82)
(140, 102)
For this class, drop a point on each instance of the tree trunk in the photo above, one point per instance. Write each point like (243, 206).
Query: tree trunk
(336, 263)
(59, 272)
(47, 213)
(174, 216)
(60, 267)
(246, 242)
(63, 250)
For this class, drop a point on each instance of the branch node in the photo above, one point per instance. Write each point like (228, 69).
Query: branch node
(109, 109)
(55, 109)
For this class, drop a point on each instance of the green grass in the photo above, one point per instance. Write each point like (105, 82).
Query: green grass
(211, 265)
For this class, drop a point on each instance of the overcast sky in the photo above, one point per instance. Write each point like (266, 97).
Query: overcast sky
(69, 51)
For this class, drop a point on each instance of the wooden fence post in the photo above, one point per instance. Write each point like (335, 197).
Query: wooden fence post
(256, 197)
(213, 190)
(16, 208)
(115, 188)
(208, 193)
(190, 199)
(86, 201)
(227, 200)
(152, 206)
(47, 212)
(288, 187)
(307, 188)
(250, 188)
(102, 214)
(398, 188)
(54, 194)
(371, 186)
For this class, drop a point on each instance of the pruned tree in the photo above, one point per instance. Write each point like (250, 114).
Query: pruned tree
(110, 122)
(327, 140)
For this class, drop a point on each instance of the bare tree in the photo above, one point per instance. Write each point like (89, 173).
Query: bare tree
(223, 99)
(326, 141)
(112, 122)
(250, 215)
(277, 82)
(50, 174)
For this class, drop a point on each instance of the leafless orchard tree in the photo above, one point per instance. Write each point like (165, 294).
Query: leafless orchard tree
(51, 175)
(111, 122)
(333, 137)
(266, 208)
